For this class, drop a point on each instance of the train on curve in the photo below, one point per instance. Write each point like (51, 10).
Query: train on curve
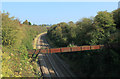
(66, 49)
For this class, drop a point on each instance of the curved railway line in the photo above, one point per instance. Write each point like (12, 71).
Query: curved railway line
(50, 64)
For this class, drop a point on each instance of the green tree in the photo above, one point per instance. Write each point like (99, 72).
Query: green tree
(29, 23)
(105, 26)
(72, 32)
(10, 30)
(116, 17)
(26, 22)
(104, 20)
(83, 30)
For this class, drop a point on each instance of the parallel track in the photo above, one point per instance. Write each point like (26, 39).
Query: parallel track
(51, 65)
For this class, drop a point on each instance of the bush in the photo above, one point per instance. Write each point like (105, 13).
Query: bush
(17, 38)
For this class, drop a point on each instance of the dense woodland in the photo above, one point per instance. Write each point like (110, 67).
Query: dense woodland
(16, 39)
(103, 29)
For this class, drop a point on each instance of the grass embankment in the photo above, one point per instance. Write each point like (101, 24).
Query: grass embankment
(16, 39)
(35, 40)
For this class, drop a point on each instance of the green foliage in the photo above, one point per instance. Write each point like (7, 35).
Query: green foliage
(102, 29)
(83, 31)
(27, 23)
(102, 63)
(64, 34)
(10, 30)
(116, 17)
(30, 33)
(105, 26)
(104, 19)
(87, 31)
(16, 39)
(71, 45)
(15, 63)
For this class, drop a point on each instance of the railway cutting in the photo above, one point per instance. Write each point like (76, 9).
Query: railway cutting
(51, 65)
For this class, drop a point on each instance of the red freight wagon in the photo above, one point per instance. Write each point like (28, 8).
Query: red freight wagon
(43, 51)
(95, 47)
(31, 51)
(65, 49)
(85, 47)
(37, 51)
(48, 50)
(55, 50)
(76, 48)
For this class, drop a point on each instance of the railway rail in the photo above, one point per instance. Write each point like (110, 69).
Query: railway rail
(50, 64)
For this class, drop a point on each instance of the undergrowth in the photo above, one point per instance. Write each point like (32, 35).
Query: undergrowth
(16, 39)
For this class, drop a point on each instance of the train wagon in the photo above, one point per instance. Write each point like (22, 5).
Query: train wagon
(66, 49)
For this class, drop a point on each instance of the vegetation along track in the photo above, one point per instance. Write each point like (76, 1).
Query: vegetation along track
(51, 65)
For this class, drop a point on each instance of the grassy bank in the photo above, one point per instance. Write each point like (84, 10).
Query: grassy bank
(16, 39)
(35, 40)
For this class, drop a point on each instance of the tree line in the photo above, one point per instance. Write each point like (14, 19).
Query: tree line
(103, 29)
(29, 23)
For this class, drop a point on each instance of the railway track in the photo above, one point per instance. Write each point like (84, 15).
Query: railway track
(50, 64)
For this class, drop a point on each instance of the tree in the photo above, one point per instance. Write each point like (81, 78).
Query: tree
(104, 19)
(10, 30)
(26, 22)
(72, 32)
(105, 26)
(71, 24)
(34, 25)
(29, 23)
(83, 30)
(116, 17)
